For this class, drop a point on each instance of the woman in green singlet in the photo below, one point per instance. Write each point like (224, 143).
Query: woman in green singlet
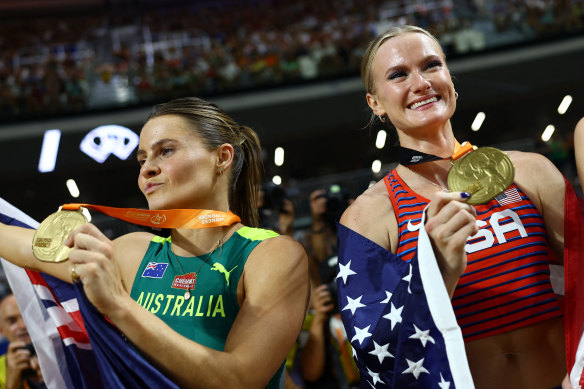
(227, 305)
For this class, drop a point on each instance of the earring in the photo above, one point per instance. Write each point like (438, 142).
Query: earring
(221, 170)
(381, 118)
(456, 95)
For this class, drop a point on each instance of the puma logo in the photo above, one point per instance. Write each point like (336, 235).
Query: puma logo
(221, 269)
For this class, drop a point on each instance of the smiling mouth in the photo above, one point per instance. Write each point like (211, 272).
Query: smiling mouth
(418, 104)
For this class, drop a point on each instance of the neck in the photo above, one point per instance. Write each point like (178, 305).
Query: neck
(436, 141)
(195, 242)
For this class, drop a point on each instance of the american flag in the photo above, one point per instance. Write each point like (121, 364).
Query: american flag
(509, 196)
(574, 287)
(77, 347)
(398, 317)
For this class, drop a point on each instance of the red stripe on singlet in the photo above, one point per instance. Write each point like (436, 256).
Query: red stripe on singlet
(506, 284)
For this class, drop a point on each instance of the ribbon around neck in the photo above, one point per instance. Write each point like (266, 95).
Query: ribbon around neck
(414, 157)
(167, 218)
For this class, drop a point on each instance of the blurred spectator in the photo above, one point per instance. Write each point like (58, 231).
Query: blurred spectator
(325, 355)
(19, 367)
(157, 52)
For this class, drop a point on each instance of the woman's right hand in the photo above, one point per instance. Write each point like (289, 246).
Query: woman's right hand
(450, 221)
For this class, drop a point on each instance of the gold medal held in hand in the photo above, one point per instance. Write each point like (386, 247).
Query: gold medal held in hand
(47, 243)
(484, 173)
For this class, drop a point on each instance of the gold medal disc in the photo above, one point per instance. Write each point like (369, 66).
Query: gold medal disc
(484, 173)
(47, 243)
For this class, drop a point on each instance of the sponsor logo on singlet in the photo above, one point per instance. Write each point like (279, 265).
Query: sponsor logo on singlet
(185, 281)
(221, 269)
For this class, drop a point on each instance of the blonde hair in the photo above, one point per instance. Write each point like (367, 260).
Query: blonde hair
(372, 48)
(215, 128)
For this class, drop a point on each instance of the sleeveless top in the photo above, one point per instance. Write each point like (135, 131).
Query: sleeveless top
(506, 284)
(207, 315)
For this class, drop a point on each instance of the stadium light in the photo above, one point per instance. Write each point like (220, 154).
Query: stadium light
(279, 156)
(478, 121)
(380, 140)
(547, 133)
(49, 150)
(565, 104)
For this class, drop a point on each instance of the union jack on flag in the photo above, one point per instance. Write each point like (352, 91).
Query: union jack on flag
(77, 347)
(154, 270)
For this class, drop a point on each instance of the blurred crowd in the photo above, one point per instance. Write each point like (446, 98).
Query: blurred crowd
(131, 53)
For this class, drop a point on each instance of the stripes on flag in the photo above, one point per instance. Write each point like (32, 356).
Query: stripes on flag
(509, 196)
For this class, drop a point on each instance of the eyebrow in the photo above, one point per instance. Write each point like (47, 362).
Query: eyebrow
(155, 145)
(424, 60)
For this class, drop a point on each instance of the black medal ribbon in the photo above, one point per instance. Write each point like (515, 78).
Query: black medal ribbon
(414, 157)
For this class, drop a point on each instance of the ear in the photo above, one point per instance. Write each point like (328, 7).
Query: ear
(225, 154)
(374, 104)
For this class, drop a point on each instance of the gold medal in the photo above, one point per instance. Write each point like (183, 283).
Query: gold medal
(484, 173)
(47, 243)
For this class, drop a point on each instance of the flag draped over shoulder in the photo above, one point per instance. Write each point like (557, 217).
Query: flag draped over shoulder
(399, 317)
(574, 286)
(77, 347)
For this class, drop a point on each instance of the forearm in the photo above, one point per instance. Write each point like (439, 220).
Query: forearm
(312, 357)
(186, 362)
(16, 247)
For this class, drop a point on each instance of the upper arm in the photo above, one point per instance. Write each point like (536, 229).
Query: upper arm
(129, 250)
(545, 185)
(273, 309)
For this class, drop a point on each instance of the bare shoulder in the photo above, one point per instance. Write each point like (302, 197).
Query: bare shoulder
(130, 248)
(281, 250)
(372, 216)
(537, 176)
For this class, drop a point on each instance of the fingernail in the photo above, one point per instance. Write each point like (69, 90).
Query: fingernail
(464, 195)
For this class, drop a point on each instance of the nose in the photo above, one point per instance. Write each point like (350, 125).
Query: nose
(149, 168)
(419, 82)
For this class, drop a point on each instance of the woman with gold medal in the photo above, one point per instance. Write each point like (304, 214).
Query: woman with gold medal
(493, 255)
(238, 293)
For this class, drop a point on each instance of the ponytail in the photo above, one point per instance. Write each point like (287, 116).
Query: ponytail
(245, 186)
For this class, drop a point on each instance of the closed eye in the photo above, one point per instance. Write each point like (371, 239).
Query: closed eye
(433, 64)
(397, 74)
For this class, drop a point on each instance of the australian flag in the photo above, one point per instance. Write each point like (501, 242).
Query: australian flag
(77, 347)
(398, 317)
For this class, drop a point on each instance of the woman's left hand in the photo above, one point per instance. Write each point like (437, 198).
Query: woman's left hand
(92, 259)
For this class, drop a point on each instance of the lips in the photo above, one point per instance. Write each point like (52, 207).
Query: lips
(423, 101)
(151, 187)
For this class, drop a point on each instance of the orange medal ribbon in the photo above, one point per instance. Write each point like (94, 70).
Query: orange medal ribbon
(168, 218)
(461, 149)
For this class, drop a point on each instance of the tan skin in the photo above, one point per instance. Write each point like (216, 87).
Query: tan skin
(272, 292)
(411, 68)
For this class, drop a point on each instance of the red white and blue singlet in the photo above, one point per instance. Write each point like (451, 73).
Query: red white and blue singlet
(506, 284)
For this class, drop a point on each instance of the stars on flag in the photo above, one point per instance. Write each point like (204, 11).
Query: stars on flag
(424, 336)
(353, 304)
(387, 297)
(361, 334)
(375, 377)
(443, 384)
(345, 271)
(394, 315)
(381, 351)
(415, 368)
